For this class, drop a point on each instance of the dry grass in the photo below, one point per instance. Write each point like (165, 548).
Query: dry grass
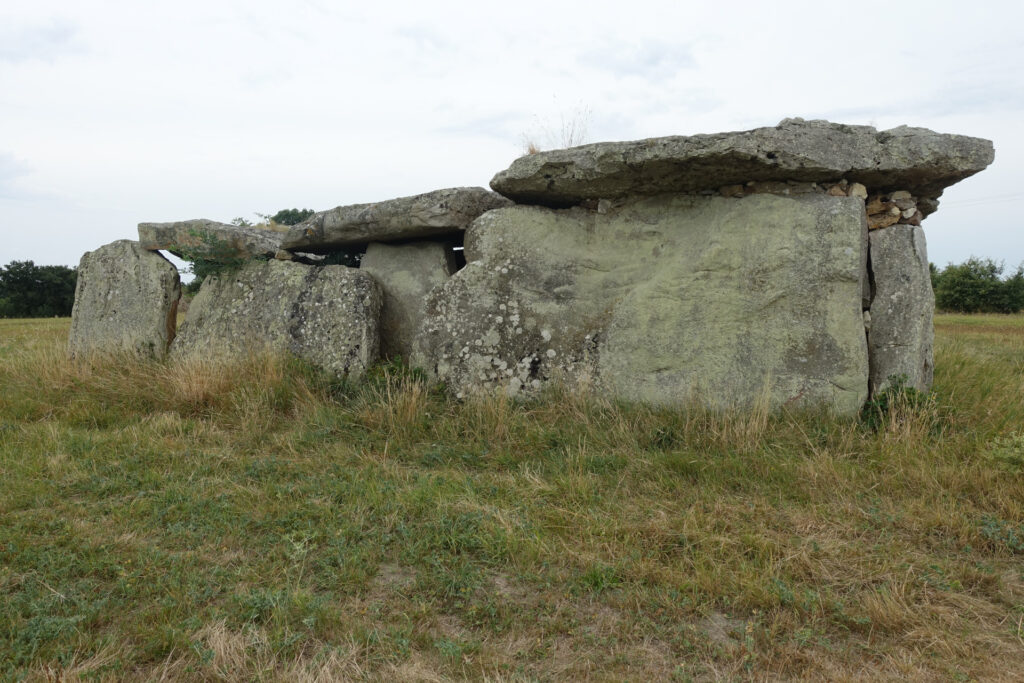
(261, 521)
(531, 147)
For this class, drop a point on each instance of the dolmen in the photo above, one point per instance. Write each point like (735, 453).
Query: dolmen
(781, 266)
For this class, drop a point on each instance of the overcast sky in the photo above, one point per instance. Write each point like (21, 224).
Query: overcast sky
(113, 113)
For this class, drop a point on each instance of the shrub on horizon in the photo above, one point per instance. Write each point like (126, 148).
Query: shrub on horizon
(977, 286)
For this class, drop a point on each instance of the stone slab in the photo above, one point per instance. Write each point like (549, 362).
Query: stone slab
(209, 240)
(126, 300)
(327, 315)
(904, 158)
(664, 299)
(902, 334)
(441, 212)
(406, 273)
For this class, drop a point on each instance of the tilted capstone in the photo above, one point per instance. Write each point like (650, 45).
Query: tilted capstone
(432, 214)
(200, 238)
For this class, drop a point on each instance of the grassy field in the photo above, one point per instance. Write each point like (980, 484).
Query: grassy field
(261, 522)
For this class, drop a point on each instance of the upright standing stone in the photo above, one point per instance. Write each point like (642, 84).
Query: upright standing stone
(902, 335)
(663, 300)
(327, 315)
(126, 300)
(406, 274)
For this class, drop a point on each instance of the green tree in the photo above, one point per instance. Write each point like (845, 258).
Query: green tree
(977, 286)
(935, 273)
(291, 216)
(31, 291)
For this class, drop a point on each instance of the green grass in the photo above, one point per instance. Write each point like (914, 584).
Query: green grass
(260, 521)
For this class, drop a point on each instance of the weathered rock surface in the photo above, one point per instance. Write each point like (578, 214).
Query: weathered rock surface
(126, 299)
(442, 212)
(902, 335)
(406, 274)
(210, 240)
(914, 159)
(327, 315)
(661, 299)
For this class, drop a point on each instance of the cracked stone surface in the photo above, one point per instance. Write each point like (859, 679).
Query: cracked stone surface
(126, 299)
(662, 299)
(327, 315)
(914, 159)
(441, 212)
(902, 335)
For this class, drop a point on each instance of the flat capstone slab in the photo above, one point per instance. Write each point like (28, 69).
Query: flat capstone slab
(915, 159)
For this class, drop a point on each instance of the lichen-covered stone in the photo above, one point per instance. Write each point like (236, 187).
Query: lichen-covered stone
(662, 299)
(915, 159)
(441, 212)
(126, 299)
(210, 240)
(406, 273)
(902, 334)
(327, 315)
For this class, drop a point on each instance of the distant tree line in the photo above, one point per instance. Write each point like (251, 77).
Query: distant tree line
(31, 291)
(977, 286)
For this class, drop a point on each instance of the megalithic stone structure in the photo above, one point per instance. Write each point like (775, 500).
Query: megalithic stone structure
(782, 266)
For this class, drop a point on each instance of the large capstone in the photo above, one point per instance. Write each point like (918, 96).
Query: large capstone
(914, 159)
(664, 299)
(901, 336)
(441, 212)
(209, 240)
(406, 273)
(327, 315)
(126, 300)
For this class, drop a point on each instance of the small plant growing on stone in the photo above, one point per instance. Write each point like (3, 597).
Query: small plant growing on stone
(529, 146)
(573, 130)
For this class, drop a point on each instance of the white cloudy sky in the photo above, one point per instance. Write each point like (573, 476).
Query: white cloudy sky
(112, 113)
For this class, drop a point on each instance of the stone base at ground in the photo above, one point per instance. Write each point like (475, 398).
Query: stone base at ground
(126, 300)
(326, 315)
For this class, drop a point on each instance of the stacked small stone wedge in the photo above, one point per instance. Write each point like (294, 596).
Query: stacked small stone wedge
(782, 267)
